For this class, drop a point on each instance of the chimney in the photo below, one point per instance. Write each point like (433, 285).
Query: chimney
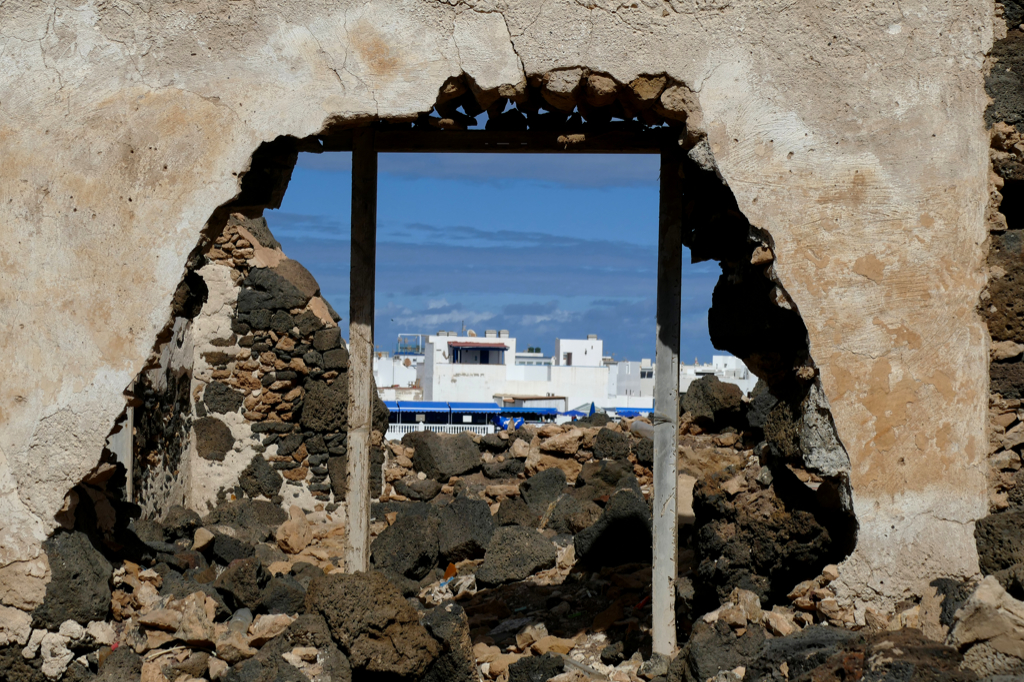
(491, 334)
(592, 337)
(503, 333)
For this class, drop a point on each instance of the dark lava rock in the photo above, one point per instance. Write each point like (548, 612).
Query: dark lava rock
(336, 359)
(600, 474)
(1000, 539)
(536, 668)
(510, 468)
(327, 339)
(148, 530)
(337, 471)
(465, 530)
(494, 443)
(324, 408)
(373, 625)
(756, 540)
(441, 457)
(179, 586)
(259, 516)
(257, 227)
(122, 664)
(221, 398)
(79, 587)
(1004, 310)
(180, 523)
(226, 548)
(622, 534)
(542, 489)
(378, 510)
(643, 449)
(16, 669)
(713, 648)
(283, 594)
(408, 547)
(304, 573)
(611, 445)
(761, 403)
(572, 515)
(596, 419)
(308, 322)
(289, 444)
(710, 400)
(449, 625)
(259, 478)
(285, 286)
(1007, 378)
(213, 439)
(281, 322)
(1004, 83)
(515, 553)
(824, 653)
(242, 583)
(415, 489)
(307, 631)
(515, 512)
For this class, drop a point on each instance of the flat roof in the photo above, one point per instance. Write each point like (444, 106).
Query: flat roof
(473, 344)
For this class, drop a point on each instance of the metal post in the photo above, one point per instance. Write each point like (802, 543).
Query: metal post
(666, 401)
(360, 374)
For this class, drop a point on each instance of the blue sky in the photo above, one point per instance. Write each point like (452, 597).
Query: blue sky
(544, 246)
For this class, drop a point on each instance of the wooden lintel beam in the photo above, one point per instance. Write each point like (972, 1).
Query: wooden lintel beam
(491, 142)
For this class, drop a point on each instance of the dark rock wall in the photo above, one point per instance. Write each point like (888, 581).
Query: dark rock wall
(1000, 537)
(256, 381)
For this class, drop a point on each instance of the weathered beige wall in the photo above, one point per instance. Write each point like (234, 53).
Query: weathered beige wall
(851, 131)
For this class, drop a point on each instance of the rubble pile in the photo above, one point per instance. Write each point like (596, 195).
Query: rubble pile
(521, 555)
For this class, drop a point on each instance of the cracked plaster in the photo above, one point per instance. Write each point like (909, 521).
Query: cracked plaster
(845, 129)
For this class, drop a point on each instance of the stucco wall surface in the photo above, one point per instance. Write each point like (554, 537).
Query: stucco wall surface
(851, 131)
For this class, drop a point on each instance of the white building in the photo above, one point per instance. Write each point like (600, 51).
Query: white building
(727, 368)
(633, 379)
(447, 367)
(397, 374)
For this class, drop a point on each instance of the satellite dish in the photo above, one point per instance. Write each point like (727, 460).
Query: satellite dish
(470, 332)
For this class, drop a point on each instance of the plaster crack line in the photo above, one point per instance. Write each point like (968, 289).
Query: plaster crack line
(329, 57)
(344, 66)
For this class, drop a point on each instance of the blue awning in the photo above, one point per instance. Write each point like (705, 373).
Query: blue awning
(475, 408)
(422, 406)
(573, 413)
(391, 405)
(631, 411)
(529, 410)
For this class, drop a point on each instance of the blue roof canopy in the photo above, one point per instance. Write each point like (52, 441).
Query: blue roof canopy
(422, 406)
(476, 408)
(391, 405)
(631, 411)
(529, 410)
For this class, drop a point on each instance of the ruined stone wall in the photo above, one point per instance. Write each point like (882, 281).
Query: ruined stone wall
(852, 134)
(249, 394)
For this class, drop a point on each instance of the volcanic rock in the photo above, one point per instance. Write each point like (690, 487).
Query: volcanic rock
(441, 457)
(515, 553)
(408, 547)
(213, 439)
(465, 530)
(79, 587)
(371, 622)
